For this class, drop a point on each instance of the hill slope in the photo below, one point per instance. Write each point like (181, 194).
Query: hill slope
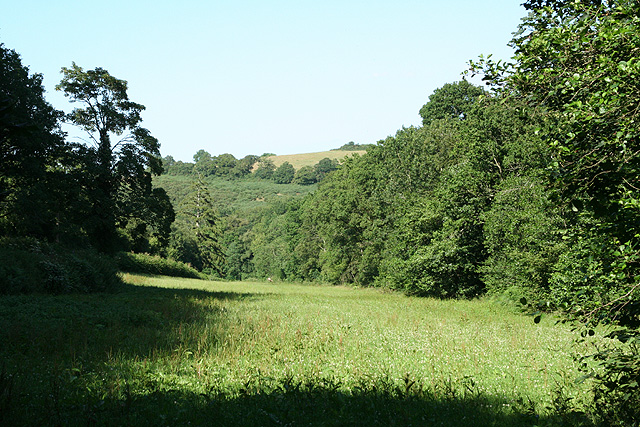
(310, 159)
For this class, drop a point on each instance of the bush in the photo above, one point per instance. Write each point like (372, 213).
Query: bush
(28, 266)
(522, 236)
(616, 387)
(153, 264)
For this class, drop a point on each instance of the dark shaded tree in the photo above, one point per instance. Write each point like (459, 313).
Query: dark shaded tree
(107, 112)
(31, 147)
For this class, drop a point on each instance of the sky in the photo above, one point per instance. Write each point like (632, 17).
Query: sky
(251, 77)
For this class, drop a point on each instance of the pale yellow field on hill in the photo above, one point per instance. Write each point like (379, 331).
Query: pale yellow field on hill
(310, 159)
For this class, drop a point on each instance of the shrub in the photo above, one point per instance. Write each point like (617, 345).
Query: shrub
(522, 236)
(154, 264)
(28, 265)
(616, 387)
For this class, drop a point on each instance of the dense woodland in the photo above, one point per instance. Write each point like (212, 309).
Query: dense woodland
(527, 188)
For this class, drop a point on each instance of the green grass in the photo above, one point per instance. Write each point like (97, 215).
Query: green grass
(167, 351)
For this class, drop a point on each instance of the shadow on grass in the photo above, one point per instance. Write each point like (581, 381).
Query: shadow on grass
(135, 322)
(319, 407)
(59, 353)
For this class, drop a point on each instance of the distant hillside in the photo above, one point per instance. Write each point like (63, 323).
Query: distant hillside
(310, 159)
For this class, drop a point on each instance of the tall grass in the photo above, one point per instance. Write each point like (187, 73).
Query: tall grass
(175, 351)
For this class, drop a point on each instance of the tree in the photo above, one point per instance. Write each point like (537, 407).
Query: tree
(173, 167)
(324, 166)
(265, 168)
(204, 163)
(225, 163)
(107, 112)
(144, 213)
(31, 147)
(201, 224)
(243, 166)
(306, 175)
(452, 101)
(284, 174)
(577, 65)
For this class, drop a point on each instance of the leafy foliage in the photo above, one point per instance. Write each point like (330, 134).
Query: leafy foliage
(284, 173)
(451, 101)
(306, 175)
(30, 142)
(31, 266)
(154, 264)
(577, 65)
(265, 169)
(120, 172)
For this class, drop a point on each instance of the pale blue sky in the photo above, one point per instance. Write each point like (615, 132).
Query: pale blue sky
(248, 77)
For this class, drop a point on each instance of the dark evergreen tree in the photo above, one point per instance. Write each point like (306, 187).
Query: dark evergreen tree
(198, 223)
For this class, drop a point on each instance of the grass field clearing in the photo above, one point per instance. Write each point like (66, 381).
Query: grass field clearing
(170, 351)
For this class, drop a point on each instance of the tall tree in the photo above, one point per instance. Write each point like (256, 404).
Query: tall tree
(107, 112)
(451, 101)
(201, 225)
(31, 145)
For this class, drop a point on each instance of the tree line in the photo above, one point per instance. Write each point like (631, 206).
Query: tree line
(259, 167)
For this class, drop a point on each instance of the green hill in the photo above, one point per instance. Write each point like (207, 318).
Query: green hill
(310, 159)
(229, 196)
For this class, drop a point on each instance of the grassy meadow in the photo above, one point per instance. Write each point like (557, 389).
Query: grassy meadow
(166, 351)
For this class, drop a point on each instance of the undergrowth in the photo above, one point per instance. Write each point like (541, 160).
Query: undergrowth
(154, 264)
(29, 265)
